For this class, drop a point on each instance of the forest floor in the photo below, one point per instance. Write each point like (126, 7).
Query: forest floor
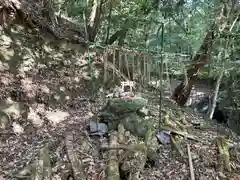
(48, 101)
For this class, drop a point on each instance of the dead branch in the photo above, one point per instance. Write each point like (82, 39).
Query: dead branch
(177, 146)
(76, 163)
(190, 163)
(224, 156)
(113, 165)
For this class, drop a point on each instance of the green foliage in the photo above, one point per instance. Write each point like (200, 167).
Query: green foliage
(185, 22)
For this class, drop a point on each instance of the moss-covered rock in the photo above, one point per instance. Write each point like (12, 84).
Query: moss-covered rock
(120, 106)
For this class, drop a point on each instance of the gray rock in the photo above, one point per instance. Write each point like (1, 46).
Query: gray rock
(57, 116)
(164, 137)
(98, 128)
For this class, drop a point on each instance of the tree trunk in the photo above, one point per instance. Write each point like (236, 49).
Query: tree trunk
(182, 91)
(215, 94)
(94, 20)
(109, 19)
(8, 11)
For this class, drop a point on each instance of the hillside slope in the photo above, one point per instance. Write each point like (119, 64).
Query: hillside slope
(46, 101)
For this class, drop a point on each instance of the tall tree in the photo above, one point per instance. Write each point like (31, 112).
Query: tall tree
(94, 20)
(202, 57)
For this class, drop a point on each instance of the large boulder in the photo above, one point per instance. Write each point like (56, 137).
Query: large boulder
(128, 113)
(137, 125)
(121, 106)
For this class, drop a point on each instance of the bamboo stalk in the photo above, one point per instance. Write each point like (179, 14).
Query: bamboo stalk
(144, 69)
(139, 68)
(190, 163)
(133, 68)
(119, 61)
(114, 62)
(168, 78)
(148, 68)
(127, 66)
(105, 66)
(113, 164)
